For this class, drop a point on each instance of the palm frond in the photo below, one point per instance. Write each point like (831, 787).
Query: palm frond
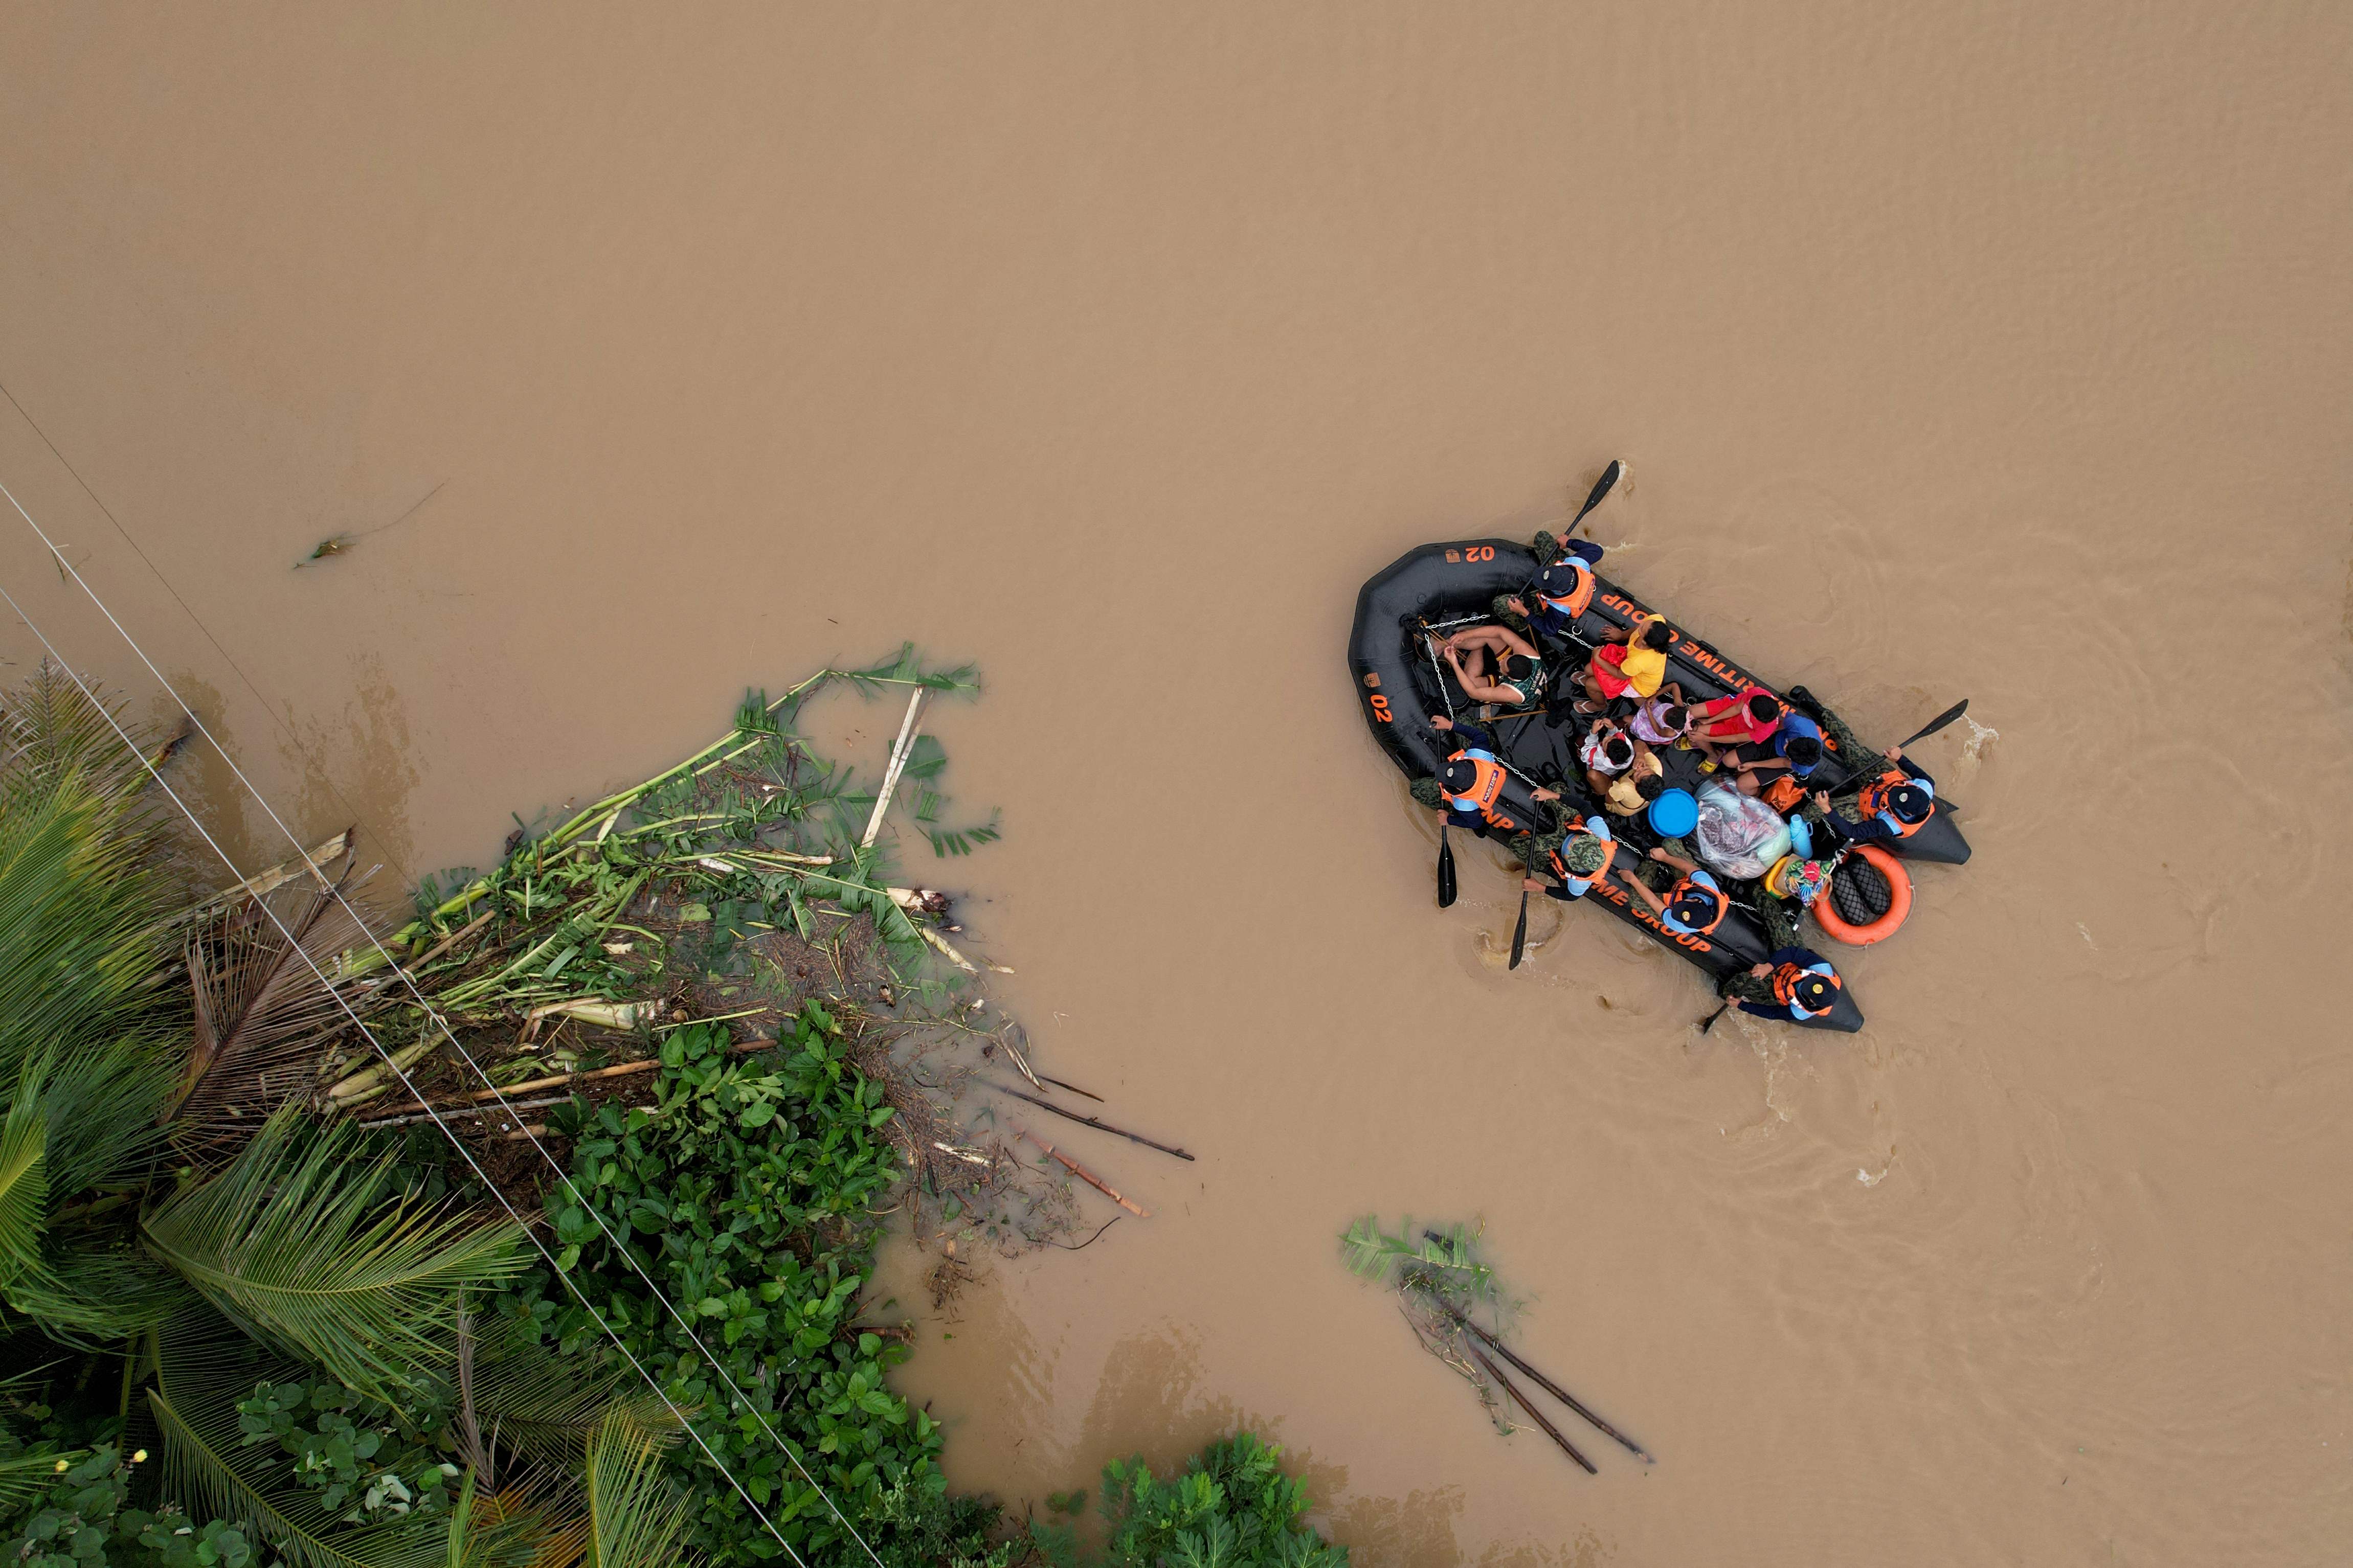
(637, 1517)
(304, 1241)
(95, 1300)
(203, 1367)
(51, 731)
(546, 1404)
(24, 1177)
(25, 1475)
(82, 913)
(261, 1010)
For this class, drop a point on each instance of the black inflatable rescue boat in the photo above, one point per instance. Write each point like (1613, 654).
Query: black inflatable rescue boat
(1399, 684)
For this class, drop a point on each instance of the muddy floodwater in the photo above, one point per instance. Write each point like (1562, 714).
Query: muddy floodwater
(2004, 351)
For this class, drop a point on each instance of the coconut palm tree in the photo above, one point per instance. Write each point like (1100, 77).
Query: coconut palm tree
(169, 1196)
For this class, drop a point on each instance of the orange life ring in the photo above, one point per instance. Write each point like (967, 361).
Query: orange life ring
(1899, 903)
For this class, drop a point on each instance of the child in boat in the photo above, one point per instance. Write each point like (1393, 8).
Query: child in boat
(1518, 666)
(1607, 752)
(1575, 860)
(1663, 719)
(1634, 790)
(1694, 906)
(1633, 663)
(1794, 984)
(1470, 780)
(1793, 752)
(1745, 718)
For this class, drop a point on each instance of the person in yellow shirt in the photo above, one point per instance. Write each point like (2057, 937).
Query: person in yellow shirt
(1633, 663)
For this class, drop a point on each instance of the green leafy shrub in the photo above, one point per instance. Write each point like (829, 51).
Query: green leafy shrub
(77, 1521)
(746, 1193)
(365, 1463)
(1232, 1508)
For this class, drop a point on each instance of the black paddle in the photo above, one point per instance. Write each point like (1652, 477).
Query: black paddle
(1610, 476)
(1520, 931)
(1712, 1018)
(1939, 722)
(1445, 867)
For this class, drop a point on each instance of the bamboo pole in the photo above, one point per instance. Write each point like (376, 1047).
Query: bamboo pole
(1533, 1414)
(277, 876)
(1548, 1385)
(898, 749)
(1089, 1177)
(1088, 1120)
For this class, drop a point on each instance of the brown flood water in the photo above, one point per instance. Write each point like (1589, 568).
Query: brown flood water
(1997, 352)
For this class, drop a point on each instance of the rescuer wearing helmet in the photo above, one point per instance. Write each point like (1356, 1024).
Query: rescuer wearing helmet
(1470, 780)
(1894, 805)
(1795, 983)
(1562, 590)
(1694, 906)
(1579, 857)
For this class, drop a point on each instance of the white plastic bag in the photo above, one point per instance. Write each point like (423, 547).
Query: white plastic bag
(1738, 835)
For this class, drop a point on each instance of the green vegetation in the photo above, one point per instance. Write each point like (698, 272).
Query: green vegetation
(262, 1331)
(1231, 1507)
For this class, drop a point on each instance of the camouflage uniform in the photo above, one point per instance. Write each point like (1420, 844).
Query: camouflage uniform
(1425, 791)
(1742, 986)
(1657, 875)
(1866, 764)
(1780, 917)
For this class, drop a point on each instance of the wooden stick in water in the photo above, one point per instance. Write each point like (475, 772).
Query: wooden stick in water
(1089, 1177)
(898, 749)
(1088, 1120)
(1075, 1089)
(1533, 1414)
(1549, 1386)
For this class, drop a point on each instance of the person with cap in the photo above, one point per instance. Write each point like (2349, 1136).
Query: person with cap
(1794, 984)
(1561, 591)
(1694, 906)
(1575, 860)
(1518, 667)
(1470, 780)
(1896, 803)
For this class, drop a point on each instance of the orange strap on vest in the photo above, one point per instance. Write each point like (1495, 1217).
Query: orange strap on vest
(1786, 978)
(1582, 595)
(1723, 904)
(1872, 802)
(1485, 787)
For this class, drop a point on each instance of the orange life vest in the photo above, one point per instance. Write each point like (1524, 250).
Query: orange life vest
(1573, 605)
(1872, 802)
(1485, 786)
(1723, 904)
(1786, 979)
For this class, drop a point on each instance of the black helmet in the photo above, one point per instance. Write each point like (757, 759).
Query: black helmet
(1457, 776)
(1695, 908)
(1817, 994)
(1910, 802)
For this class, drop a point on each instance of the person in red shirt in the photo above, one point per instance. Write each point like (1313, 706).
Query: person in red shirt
(1742, 719)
